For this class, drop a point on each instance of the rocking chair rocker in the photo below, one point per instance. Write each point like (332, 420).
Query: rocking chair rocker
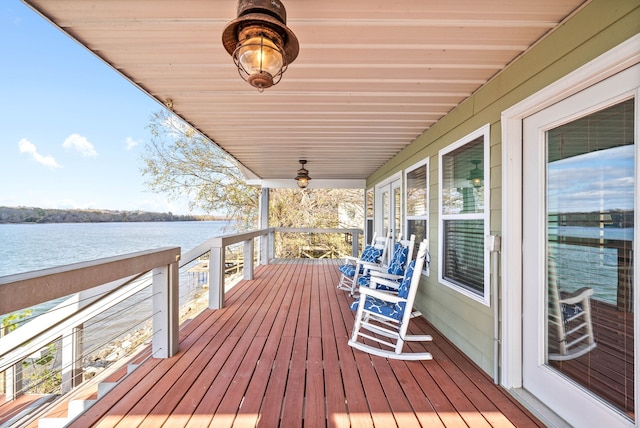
(387, 315)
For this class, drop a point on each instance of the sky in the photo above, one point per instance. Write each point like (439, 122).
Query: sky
(599, 180)
(72, 130)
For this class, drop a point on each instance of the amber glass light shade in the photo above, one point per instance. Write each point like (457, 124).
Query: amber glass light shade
(259, 57)
(261, 44)
(303, 176)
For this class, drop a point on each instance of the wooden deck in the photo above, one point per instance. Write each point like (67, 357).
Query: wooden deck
(277, 355)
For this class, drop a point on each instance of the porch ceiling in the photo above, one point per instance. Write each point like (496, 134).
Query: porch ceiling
(371, 76)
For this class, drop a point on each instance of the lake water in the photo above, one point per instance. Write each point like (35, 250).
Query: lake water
(28, 247)
(591, 266)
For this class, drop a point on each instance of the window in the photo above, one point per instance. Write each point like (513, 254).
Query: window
(417, 202)
(464, 215)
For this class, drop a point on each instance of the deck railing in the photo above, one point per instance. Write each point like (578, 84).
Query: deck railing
(93, 287)
(89, 288)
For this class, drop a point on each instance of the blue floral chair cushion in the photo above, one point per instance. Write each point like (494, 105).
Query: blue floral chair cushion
(387, 309)
(403, 290)
(371, 254)
(364, 281)
(400, 254)
(570, 311)
(348, 270)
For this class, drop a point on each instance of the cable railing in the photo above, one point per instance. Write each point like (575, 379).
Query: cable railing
(83, 331)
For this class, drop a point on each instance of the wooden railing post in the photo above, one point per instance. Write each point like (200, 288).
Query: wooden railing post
(165, 287)
(248, 259)
(71, 358)
(13, 382)
(216, 277)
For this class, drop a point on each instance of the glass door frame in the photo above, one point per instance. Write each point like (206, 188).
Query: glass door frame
(388, 188)
(615, 60)
(564, 396)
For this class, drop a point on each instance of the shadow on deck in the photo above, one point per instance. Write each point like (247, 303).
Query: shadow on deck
(277, 355)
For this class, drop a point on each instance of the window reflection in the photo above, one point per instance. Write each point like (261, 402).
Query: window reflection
(590, 208)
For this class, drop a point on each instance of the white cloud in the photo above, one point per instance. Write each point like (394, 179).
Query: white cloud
(131, 143)
(26, 146)
(80, 144)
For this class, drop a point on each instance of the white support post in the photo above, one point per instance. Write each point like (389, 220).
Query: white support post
(247, 268)
(71, 359)
(266, 253)
(216, 278)
(264, 249)
(165, 311)
(355, 244)
(272, 244)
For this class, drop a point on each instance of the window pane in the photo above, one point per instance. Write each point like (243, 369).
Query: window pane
(590, 227)
(417, 192)
(418, 228)
(464, 254)
(463, 179)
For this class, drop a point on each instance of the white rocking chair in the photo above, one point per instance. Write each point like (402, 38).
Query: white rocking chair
(387, 315)
(570, 330)
(394, 273)
(372, 255)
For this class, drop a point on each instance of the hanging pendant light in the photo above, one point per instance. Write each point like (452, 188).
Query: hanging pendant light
(261, 44)
(476, 175)
(303, 175)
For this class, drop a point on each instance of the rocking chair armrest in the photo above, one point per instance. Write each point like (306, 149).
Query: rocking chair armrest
(368, 265)
(383, 281)
(384, 275)
(374, 267)
(577, 296)
(350, 260)
(380, 294)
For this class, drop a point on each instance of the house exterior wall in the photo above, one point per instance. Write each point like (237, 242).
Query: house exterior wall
(593, 30)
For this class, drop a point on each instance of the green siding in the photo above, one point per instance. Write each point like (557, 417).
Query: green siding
(598, 27)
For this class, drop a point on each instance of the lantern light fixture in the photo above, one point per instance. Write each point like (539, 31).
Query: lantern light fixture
(261, 44)
(476, 175)
(303, 175)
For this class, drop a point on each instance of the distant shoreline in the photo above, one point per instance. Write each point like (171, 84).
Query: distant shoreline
(34, 215)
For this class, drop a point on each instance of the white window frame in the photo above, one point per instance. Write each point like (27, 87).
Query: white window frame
(484, 132)
(378, 200)
(407, 217)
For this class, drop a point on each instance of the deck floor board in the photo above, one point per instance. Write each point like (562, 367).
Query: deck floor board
(277, 355)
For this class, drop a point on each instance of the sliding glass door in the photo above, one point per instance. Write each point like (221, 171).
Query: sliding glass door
(579, 205)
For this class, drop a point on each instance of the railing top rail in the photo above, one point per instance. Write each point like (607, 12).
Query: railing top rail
(316, 230)
(226, 240)
(28, 289)
(220, 242)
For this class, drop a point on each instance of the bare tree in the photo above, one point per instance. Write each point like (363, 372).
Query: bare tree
(180, 162)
